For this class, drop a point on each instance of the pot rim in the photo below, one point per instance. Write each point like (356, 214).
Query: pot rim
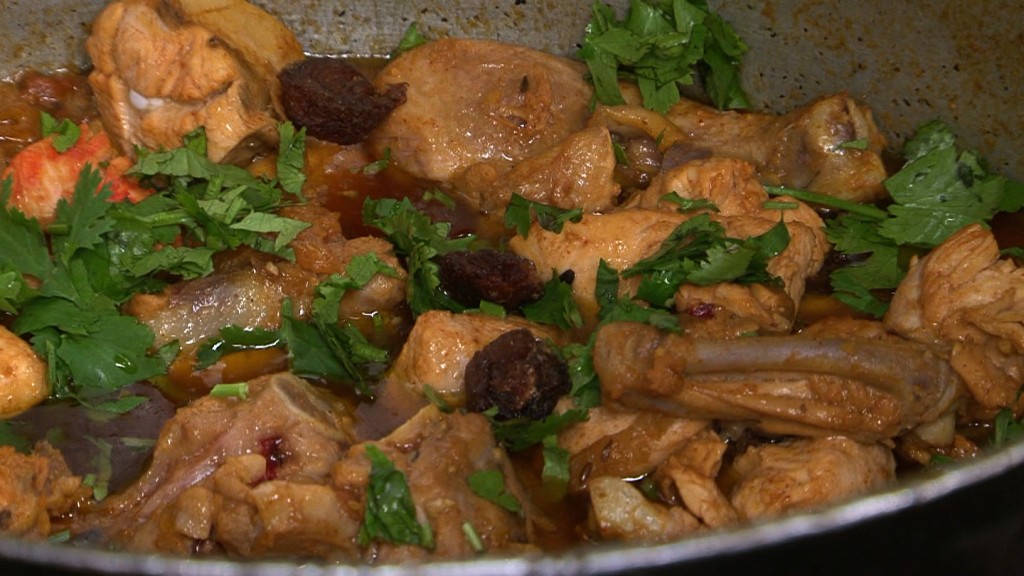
(603, 559)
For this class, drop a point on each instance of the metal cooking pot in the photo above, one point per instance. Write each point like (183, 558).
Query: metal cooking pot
(910, 61)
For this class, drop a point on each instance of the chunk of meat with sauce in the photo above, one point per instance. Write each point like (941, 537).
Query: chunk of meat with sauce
(41, 176)
(470, 101)
(623, 443)
(163, 68)
(729, 310)
(23, 379)
(578, 172)
(35, 488)
(625, 237)
(439, 347)
(966, 298)
(772, 479)
(865, 388)
(245, 476)
(620, 511)
(246, 289)
(438, 453)
(805, 148)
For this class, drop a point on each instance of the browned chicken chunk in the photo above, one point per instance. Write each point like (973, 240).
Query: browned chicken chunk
(473, 100)
(163, 68)
(966, 298)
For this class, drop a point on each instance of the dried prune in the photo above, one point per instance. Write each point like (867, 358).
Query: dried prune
(519, 374)
(334, 101)
(500, 277)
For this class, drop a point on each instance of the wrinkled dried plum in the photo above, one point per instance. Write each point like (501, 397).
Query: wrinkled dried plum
(500, 277)
(519, 374)
(334, 101)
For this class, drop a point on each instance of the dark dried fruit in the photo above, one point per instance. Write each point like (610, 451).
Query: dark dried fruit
(519, 374)
(500, 277)
(334, 101)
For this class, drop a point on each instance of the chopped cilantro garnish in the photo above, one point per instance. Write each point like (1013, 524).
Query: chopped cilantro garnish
(662, 45)
(699, 252)
(389, 514)
(1005, 428)
(65, 132)
(411, 39)
(419, 241)
(935, 194)
(473, 538)
(490, 485)
(520, 212)
(239, 390)
(556, 306)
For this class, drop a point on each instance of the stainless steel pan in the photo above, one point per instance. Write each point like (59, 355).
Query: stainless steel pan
(911, 61)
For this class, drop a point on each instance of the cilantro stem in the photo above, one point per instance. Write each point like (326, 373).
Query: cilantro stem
(239, 390)
(865, 210)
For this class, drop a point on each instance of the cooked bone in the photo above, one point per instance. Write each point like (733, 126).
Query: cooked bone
(864, 388)
(290, 430)
(800, 149)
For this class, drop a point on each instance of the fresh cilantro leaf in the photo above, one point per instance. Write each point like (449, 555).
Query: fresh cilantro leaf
(936, 193)
(411, 39)
(518, 434)
(556, 306)
(662, 45)
(685, 205)
(556, 463)
(699, 252)
(389, 514)
(1006, 428)
(82, 222)
(520, 212)
(239, 390)
(419, 241)
(490, 485)
(291, 158)
(23, 247)
(65, 132)
(235, 339)
(377, 166)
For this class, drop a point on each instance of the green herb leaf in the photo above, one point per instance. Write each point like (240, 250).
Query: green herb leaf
(389, 514)
(519, 434)
(662, 45)
(65, 132)
(520, 212)
(291, 158)
(556, 306)
(411, 39)
(490, 485)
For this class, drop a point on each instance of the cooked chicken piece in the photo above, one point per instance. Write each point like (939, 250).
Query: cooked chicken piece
(805, 148)
(239, 475)
(965, 298)
(41, 176)
(163, 68)
(619, 511)
(578, 172)
(623, 443)
(693, 472)
(33, 489)
(247, 289)
(624, 237)
(729, 310)
(772, 479)
(441, 344)
(868, 389)
(23, 380)
(474, 100)
(621, 238)
(437, 454)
